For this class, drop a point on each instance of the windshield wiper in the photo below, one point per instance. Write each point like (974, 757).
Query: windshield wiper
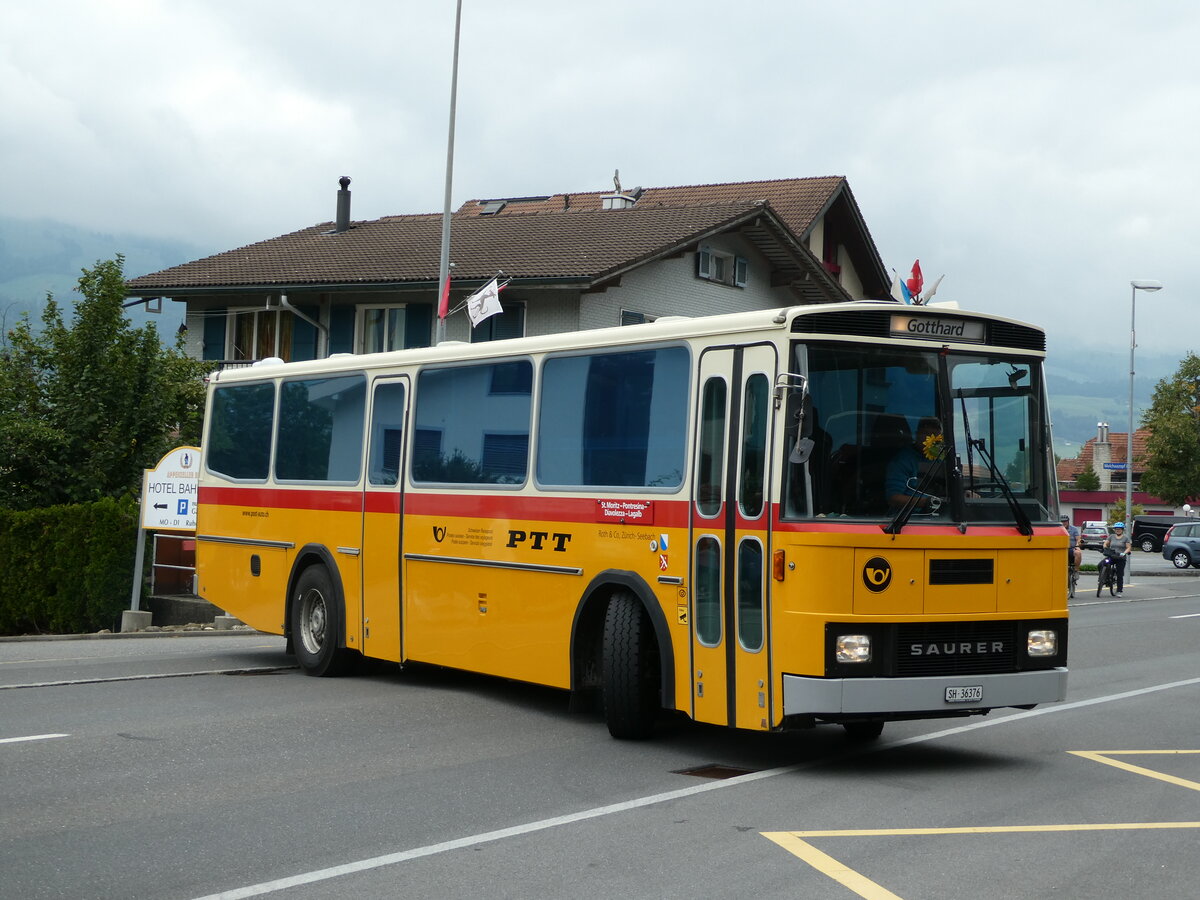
(1022, 520)
(910, 505)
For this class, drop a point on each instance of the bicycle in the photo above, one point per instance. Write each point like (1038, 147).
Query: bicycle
(1108, 574)
(1072, 579)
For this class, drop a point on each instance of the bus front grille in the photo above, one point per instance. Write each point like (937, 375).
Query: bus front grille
(955, 648)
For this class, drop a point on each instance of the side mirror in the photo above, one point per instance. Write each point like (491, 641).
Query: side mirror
(793, 388)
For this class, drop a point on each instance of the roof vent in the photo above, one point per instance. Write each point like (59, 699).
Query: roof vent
(343, 206)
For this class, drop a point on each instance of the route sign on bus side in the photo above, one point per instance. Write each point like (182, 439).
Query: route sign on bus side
(169, 491)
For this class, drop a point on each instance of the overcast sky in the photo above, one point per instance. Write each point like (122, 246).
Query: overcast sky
(1039, 154)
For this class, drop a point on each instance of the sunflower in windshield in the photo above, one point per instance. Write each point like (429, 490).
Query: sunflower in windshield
(932, 448)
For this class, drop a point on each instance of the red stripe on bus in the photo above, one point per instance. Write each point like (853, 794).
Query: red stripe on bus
(659, 514)
(282, 498)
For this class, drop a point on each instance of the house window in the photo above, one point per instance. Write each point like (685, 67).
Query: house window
(504, 325)
(629, 317)
(721, 267)
(380, 328)
(259, 333)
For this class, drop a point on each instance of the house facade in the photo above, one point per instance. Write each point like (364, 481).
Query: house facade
(1105, 456)
(571, 262)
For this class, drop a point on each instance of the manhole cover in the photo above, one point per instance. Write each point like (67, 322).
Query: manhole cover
(713, 770)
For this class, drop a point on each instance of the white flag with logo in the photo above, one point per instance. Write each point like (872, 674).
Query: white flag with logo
(484, 302)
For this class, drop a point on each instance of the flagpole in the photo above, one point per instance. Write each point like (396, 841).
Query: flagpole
(444, 265)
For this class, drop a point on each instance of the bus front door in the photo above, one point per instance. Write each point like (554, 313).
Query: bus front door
(730, 525)
(378, 617)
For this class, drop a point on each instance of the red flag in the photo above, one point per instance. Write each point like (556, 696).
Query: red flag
(444, 302)
(915, 281)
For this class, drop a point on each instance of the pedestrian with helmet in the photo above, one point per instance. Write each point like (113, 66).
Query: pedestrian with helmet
(1120, 545)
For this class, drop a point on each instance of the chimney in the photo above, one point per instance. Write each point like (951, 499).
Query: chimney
(343, 206)
(1101, 432)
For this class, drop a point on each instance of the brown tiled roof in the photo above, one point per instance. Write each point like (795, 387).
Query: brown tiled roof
(587, 244)
(1069, 469)
(798, 201)
(586, 247)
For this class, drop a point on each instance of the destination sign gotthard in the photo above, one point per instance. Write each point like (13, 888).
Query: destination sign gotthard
(934, 328)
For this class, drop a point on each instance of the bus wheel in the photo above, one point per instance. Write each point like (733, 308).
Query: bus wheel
(315, 617)
(863, 731)
(630, 669)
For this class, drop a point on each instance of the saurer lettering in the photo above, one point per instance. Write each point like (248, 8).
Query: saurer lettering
(960, 648)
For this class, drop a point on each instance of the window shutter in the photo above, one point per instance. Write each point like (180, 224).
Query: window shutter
(510, 323)
(703, 263)
(741, 270)
(214, 333)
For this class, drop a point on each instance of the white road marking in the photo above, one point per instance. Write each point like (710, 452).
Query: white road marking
(1188, 616)
(31, 737)
(388, 859)
(243, 671)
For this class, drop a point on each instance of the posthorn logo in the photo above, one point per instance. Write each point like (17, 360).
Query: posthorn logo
(877, 574)
(439, 533)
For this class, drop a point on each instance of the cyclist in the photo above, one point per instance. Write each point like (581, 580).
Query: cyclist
(1120, 544)
(1074, 553)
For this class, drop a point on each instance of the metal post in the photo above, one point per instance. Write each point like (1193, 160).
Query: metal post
(444, 265)
(1129, 436)
(135, 598)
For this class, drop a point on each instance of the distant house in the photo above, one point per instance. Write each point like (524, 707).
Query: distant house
(573, 261)
(1105, 455)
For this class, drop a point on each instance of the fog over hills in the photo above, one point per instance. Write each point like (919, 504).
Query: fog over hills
(1087, 384)
(40, 256)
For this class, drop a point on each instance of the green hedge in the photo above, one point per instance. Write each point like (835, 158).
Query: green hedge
(66, 569)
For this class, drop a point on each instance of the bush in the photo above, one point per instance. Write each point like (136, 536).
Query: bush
(66, 569)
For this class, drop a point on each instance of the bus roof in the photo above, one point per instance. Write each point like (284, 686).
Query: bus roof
(663, 329)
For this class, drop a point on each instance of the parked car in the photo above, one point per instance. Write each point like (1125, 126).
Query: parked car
(1149, 531)
(1092, 537)
(1182, 545)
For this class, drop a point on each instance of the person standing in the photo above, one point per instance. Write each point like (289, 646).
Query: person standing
(1120, 544)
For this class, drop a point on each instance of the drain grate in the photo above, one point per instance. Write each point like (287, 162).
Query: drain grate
(714, 770)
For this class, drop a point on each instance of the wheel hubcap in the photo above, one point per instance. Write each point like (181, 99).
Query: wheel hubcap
(312, 621)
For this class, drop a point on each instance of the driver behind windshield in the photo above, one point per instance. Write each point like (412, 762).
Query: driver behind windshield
(904, 469)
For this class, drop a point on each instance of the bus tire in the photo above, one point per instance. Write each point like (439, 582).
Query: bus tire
(630, 669)
(316, 618)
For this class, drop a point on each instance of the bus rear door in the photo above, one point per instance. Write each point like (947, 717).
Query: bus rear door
(730, 523)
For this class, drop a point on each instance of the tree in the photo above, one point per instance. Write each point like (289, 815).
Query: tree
(1172, 469)
(1087, 480)
(1117, 514)
(85, 407)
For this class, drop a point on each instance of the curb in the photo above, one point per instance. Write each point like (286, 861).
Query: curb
(134, 635)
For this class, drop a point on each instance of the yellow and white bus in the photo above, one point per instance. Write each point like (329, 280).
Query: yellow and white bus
(729, 516)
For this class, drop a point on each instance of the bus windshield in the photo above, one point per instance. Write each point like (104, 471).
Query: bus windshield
(908, 435)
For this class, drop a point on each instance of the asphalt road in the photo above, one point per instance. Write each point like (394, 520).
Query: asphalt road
(131, 768)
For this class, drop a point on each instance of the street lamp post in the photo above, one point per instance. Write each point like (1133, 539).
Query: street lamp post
(1135, 286)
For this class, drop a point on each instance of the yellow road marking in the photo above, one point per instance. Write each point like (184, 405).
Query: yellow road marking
(827, 865)
(793, 842)
(1101, 756)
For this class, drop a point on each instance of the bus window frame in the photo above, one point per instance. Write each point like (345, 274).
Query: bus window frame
(414, 426)
(209, 422)
(363, 435)
(613, 350)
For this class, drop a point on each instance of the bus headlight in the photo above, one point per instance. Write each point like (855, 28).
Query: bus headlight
(853, 648)
(1042, 642)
